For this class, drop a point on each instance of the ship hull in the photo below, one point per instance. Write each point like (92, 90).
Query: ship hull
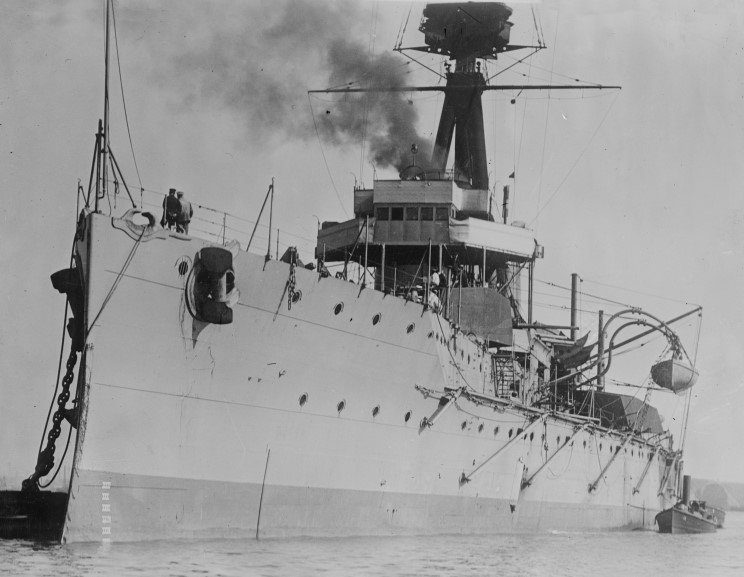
(308, 416)
(144, 507)
(680, 522)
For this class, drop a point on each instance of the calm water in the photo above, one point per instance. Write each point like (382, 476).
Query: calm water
(626, 554)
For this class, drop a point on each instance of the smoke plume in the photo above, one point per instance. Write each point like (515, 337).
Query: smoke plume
(385, 119)
(257, 60)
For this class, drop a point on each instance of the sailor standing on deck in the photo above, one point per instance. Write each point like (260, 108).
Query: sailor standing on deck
(171, 210)
(184, 215)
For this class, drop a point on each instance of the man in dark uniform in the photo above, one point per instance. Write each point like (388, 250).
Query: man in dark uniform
(171, 209)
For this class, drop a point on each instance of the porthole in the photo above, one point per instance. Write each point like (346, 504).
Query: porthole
(519, 430)
(511, 432)
(480, 428)
(431, 334)
(468, 359)
(407, 417)
(585, 443)
(558, 440)
(377, 318)
(464, 424)
(303, 399)
(495, 431)
(341, 406)
(532, 436)
(600, 446)
(338, 308)
(410, 328)
(567, 439)
(376, 411)
(183, 267)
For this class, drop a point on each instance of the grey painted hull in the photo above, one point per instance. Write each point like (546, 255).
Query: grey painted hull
(313, 414)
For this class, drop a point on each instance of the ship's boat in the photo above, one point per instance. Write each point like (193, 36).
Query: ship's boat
(674, 374)
(684, 519)
(689, 516)
(214, 392)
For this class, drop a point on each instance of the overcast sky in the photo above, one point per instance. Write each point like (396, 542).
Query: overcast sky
(637, 190)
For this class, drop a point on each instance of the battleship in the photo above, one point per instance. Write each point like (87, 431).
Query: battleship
(211, 391)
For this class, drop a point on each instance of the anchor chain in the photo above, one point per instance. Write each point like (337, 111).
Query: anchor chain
(45, 461)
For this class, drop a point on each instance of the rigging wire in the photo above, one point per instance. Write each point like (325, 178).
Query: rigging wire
(124, 103)
(545, 128)
(541, 34)
(365, 113)
(603, 299)
(325, 160)
(517, 153)
(576, 162)
(642, 293)
(688, 402)
(515, 63)
(454, 361)
(116, 282)
(553, 73)
(534, 22)
(403, 28)
(429, 68)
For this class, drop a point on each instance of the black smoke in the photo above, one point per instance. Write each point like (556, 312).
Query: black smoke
(257, 60)
(384, 117)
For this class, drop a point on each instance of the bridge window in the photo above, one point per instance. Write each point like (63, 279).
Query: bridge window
(412, 213)
(383, 213)
(442, 213)
(396, 213)
(427, 213)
